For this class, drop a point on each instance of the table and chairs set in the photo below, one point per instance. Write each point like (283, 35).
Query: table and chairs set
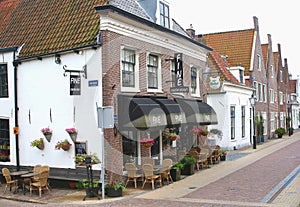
(148, 172)
(27, 181)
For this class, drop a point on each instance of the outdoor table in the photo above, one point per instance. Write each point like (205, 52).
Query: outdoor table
(27, 175)
(17, 175)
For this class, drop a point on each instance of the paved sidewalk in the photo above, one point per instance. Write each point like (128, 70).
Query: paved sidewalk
(186, 191)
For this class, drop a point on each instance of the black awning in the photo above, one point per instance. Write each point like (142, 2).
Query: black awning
(198, 112)
(175, 115)
(140, 112)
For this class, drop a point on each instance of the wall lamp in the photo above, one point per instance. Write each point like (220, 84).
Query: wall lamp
(57, 59)
(83, 71)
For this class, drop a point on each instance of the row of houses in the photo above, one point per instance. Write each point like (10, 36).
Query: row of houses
(61, 60)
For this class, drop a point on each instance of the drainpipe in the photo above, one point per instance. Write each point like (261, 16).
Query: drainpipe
(15, 64)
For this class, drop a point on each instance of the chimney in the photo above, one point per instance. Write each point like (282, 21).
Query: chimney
(191, 32)
(256, 28)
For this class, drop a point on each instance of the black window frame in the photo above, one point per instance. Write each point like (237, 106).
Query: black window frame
(3, 81)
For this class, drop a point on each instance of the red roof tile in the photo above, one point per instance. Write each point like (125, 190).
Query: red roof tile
(48, 26)
(237, 45)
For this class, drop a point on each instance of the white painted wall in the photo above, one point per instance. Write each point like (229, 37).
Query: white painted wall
(221, 102)
(42, 87)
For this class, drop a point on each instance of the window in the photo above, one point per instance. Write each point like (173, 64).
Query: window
(173, 75)
(272, 71)
(4, 140)
(164, 15)
(130, 150)
(3, 81)
(232, 119)
(272, 100)
(193, 80)
(258, 63)
(280, 76)
(153, 71)
(264, 88)
(255, 90)
(243, 120)
(272, 121)
(280, 98)
(241, 76)
(128, 64)
(260, 94)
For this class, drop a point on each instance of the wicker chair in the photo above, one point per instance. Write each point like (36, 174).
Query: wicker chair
(132, 175)
(9, 181)
(41, 184)
(149, 176)
(165, 174)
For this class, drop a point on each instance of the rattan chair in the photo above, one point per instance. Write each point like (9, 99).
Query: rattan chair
(41, 184)
(9, 181)
(165, 174)
(132, 174)
(149, 175)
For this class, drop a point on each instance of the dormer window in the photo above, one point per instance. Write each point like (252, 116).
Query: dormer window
(164, 15)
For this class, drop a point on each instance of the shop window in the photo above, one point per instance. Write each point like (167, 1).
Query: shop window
(130, 152)
(4, 141)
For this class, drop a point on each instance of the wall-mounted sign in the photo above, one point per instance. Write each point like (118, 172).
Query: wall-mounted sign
(182, 89)
(178, 69)
(75, 85)
(93, 83)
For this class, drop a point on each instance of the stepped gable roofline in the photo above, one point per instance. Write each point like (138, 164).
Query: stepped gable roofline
(112, 8)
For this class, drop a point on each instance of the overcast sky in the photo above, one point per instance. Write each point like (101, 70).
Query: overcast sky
(278, 18)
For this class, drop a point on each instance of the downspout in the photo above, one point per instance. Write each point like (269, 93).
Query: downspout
(15, 64)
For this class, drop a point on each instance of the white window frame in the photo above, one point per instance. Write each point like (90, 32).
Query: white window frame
(280, 98)
(159, 75)
(272, 98)
(264, 90)
(272, 71)
(136, 71)
(163, 17)
(258, 62)
(197, 93)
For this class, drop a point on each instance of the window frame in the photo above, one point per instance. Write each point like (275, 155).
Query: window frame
(4, 93)
(164, 14)
(232, 122)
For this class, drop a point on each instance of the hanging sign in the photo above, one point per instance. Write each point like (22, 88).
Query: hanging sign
(75, 85)
(178, 69)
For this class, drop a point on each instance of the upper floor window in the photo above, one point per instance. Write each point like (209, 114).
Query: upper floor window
(128, 65)
(272, 71)
(153, 71)
(272, 99)
(264, 90)
(255, 89)
(194, 80)
(280, 98)
(3, 81)
(280, 76)
(241, 76)
(258, 63)
(164, 15)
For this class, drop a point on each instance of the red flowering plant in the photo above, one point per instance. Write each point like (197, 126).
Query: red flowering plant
(199, 132)
(71, 130)
(147, 140)
(46, 131)
(65, 145)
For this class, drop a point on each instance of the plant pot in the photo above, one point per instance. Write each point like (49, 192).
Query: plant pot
(188, 169)
(111, 192)
(72, 185)
(92, 192)
(73, 136)
(48, 137)
(147, 144)
(279, 135)
(41, 146)
(223, 157)
(66, 148)
(173, 138)
(175, 174)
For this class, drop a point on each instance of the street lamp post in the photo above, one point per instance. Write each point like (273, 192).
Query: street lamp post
(252, 102)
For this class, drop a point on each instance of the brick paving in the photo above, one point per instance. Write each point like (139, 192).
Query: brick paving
(249, 178)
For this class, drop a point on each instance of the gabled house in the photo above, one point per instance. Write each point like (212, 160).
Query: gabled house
(62, 59)
(243, 48)
(228, 94)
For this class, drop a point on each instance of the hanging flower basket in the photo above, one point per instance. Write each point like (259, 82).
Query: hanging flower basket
(147, 142)
(47, 132)
(39, 143)
(172, 136)
(73, 133)
(65, 145)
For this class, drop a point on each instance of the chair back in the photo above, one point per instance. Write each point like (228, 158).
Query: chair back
(148, 170)
(43, 178)
(131, 169)
(6, 174)
(149, 160)
(167, 163)
(194, 154)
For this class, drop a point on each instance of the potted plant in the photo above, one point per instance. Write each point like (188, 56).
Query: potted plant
(114, 188)
(80, 159)
(39, 143)
(72, 132)
(223, 154)
(65, 145)
(176, 171)
(280, 132)
(188, 165)
(147, 142)
(91, 188)
(47, 132)
(172, 136)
